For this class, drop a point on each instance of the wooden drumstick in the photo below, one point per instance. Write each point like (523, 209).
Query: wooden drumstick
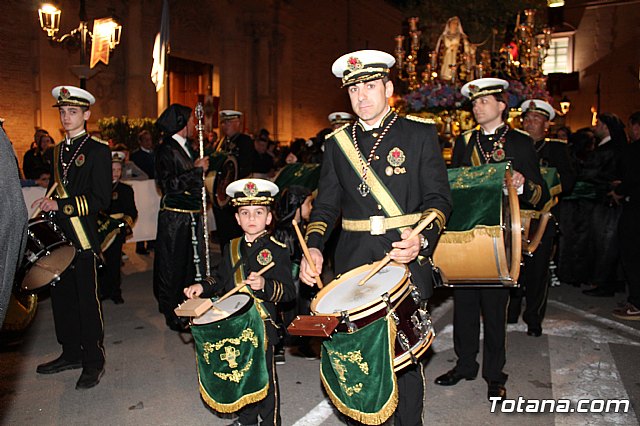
(382, 263)
(49, 192)
(238, 287)
(305, 250)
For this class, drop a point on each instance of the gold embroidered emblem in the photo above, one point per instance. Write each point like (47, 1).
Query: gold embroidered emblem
(353, 357)
(250, 189)
(354, 63)
(396, 157)
(64, 93)
(230, 354)
(80, 160)
(264, 257)
(68, 209)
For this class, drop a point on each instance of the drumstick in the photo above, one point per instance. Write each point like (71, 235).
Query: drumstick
(238, 287)
(305, 250)
(49, 192)
(382, 263)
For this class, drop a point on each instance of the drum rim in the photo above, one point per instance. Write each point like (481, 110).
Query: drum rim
(349, 274)
(27, 265)
(230, 158)
(240, 311)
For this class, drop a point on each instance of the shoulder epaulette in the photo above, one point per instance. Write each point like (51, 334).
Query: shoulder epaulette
(332, 134)
(420, 119)
(281, 244)
(555, 140)
(100, 140)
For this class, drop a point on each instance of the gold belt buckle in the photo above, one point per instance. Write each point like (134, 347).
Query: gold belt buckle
(377, 224)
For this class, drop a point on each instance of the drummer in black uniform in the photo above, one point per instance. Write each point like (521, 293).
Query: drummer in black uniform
(534, 278)
(123, 213)
(404, 156)
(82, 171)
(493, 142)
(241, 260)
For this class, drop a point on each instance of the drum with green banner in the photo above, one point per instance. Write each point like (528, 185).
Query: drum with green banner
(482, 243)
(230, 354)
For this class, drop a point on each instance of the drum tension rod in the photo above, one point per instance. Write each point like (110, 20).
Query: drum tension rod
(351, 327)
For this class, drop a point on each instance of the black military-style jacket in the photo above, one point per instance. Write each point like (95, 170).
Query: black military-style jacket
(254, 256)
(179, 181)
(84, 190)
(123, 204)
(409, 163)
(519, 149)
(555, 153)
(240, 145)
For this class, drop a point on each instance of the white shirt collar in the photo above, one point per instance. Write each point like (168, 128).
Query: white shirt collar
(491, 131)
(183, 143)
(604, 140)
(377, 124)
(148, 151)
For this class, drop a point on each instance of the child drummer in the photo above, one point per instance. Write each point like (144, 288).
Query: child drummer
(249, 254)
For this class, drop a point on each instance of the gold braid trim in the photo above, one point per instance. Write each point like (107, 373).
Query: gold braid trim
(109, 239)
(387, 409)
(537, 193)
(440, 219)
(462, 237)
(235, 406)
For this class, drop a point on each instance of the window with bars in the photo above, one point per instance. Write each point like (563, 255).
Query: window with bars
(560, 55)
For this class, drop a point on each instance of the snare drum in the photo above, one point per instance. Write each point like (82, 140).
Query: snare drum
(390, 291)
(230, 354)
(47, 256)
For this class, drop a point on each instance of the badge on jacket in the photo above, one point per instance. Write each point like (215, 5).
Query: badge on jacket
(264, 257)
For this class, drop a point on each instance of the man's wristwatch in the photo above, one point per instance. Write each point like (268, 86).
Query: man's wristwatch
(423, 242)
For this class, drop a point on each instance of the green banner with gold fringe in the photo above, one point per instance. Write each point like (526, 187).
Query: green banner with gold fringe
(231, 361)
(356, 370)
(477, 196)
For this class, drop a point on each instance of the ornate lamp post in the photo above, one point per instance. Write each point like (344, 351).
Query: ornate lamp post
(105, 37)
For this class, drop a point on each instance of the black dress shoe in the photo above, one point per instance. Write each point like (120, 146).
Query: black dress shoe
(496, 390)
(57, 365)
(89, 378)
(118, 300)
(535, 332)
(599, 292)
(451, 378)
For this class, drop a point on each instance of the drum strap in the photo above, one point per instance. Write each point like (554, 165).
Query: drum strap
(378, 189)
(76, 224)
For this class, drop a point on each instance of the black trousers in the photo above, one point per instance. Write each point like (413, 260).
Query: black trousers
(629, 227)
(76, 313)
(603, 244)
(573, 244)
(534, 281)
(469, 305)
(173, 265)
(110, 278)
(269, 408)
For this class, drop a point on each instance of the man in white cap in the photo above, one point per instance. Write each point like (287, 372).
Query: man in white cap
(493, 141)
(240, 145)
(339, 119)
(534, 277)
(82, 172)
(384, 173)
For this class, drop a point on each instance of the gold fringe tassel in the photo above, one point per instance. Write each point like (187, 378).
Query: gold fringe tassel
(463, 237)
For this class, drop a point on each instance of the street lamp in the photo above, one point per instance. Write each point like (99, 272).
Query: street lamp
(565, 105)
(105, 37)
